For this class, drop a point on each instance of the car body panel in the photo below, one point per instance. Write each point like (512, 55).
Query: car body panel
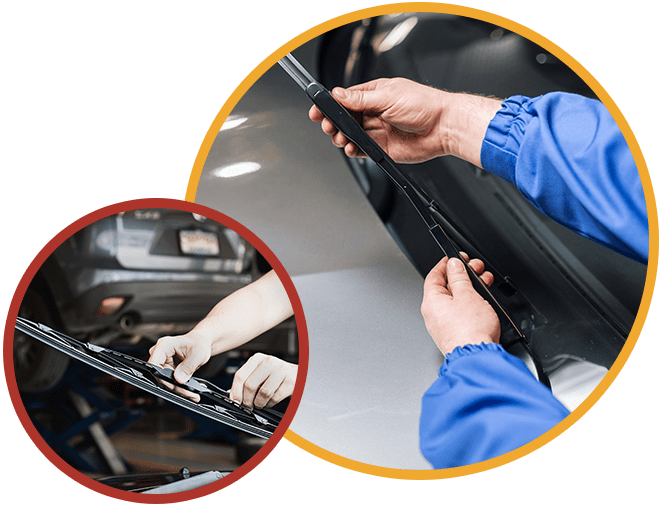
(358, 260)
(138, 255)
(360, 294)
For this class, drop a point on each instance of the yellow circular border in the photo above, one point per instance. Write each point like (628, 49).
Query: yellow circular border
(628, 135)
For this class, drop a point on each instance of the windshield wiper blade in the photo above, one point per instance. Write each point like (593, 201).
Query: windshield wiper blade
(426, 207)
(215, 402)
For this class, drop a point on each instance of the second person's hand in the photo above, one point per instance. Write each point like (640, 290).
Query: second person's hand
(263, 381)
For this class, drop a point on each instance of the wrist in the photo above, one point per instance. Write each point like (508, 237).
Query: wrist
(202, 338)
(463, 124)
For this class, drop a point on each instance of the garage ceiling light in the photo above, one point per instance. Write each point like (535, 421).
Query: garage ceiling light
(236, 169)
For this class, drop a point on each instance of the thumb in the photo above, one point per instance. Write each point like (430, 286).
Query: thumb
(188, 366)
(458, 280)
(360, 100)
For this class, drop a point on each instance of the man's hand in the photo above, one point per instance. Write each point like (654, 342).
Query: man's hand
(454, 313)
(263, 381)
(193, 351)
(400, 115)
(412, 122)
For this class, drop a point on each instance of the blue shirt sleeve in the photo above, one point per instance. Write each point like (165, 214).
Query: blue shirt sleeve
(484, 403)
(567, 156)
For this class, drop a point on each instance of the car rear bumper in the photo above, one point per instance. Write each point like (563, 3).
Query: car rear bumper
(155, 305)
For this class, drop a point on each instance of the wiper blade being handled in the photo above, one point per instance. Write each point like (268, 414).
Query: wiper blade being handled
(214, 404)
(426, 207)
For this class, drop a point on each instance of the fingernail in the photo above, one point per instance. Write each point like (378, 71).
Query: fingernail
(180, 377)
(455, 265)
(340, 92)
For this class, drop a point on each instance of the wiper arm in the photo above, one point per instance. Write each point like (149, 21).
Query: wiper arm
(426, 207)
(216, 403)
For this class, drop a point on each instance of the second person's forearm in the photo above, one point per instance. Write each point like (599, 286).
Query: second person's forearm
(245, 314)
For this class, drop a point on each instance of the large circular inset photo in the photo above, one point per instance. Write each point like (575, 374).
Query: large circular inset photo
(156, 350)
(381, 146)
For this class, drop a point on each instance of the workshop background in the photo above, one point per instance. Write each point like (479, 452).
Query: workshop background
(122, 282)
(154, 97)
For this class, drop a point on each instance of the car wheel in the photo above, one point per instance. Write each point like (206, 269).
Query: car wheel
(37, 367)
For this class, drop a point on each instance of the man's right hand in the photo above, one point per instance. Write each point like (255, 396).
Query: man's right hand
(193, 350)
(412, 122)
(400, 115)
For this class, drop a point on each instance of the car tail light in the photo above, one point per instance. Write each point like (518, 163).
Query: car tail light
(109, 306)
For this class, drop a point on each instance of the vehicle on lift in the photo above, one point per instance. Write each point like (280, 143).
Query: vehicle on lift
(146, 273)
(116, 286)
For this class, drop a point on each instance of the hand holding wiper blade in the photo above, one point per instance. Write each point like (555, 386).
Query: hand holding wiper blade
(218, 407)
(426, 207)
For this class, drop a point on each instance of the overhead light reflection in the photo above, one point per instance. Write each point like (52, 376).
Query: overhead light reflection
(236, 169)
(397, 34)
(233, 121)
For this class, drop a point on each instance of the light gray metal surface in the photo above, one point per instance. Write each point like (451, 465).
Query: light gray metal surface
(371, 361)
(370, 356)
(188, 484)
(300, 198)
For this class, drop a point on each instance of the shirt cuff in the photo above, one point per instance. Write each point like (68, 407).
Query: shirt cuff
(467, 350)
(500, 147)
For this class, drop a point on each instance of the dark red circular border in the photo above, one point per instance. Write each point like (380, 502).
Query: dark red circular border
(167, 204)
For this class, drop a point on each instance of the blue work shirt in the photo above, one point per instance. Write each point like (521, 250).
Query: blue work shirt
(567, 156)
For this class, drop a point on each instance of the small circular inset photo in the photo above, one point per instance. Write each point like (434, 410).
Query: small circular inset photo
(155, 350)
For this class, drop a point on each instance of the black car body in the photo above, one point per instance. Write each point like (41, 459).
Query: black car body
(578, 299)
(358, 252)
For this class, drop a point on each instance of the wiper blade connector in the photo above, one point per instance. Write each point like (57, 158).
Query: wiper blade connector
(426, 207)
(215, 404)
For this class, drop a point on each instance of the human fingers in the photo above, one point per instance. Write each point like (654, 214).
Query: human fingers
(487, 278)
(327, 127)
(193, 358)
(353, 151)
(339, 140)
(478, 267)
(437, 277)
(267, 393)
(162, 352)
(181, 391)
(240, 377)
(370, 85)
(286, 388)
(315, 114)
(458, 280)
(366, 97)
(252, 385)
(188, 394)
